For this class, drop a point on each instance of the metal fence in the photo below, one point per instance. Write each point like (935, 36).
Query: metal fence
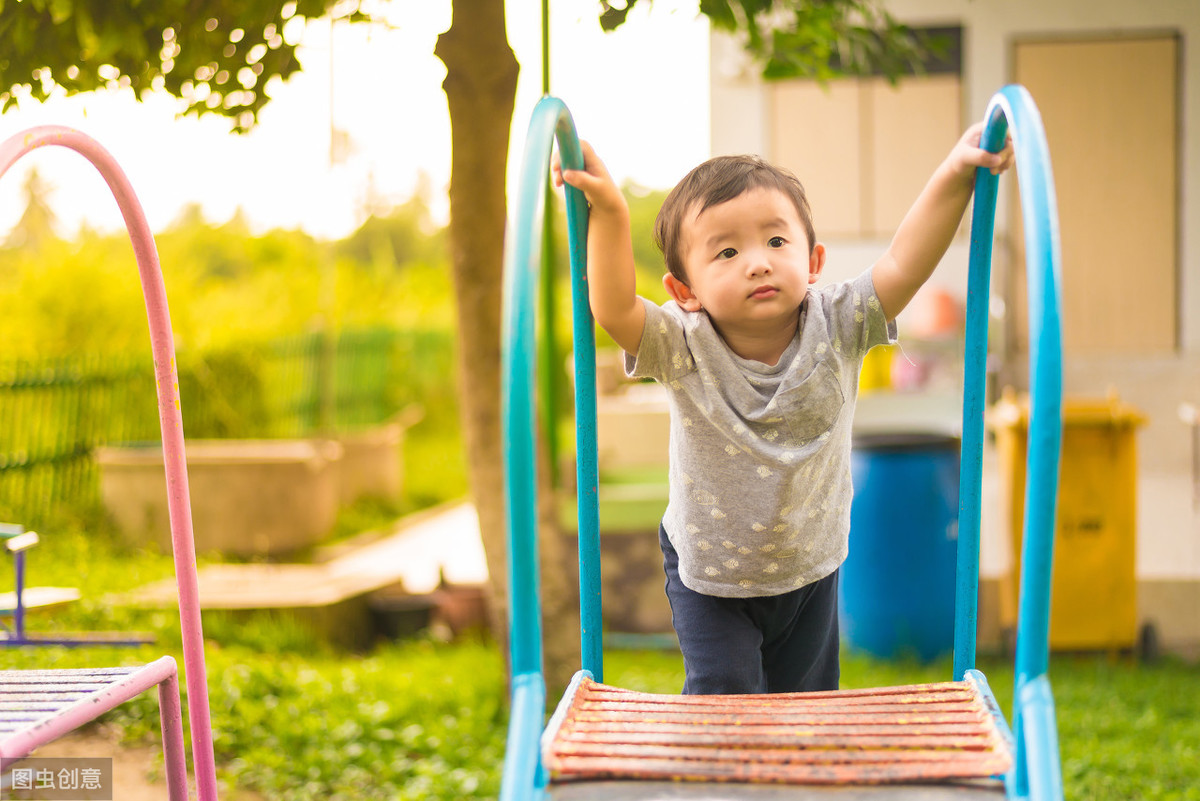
(55, 413)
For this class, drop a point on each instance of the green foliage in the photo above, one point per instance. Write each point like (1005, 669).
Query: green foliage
(405, 235)
(227, 388)
(411, 722)
(38, 222)
(220, 57)
(819, 39)
(435, 457)
(226, 286)
(61, 294)
(643, 211)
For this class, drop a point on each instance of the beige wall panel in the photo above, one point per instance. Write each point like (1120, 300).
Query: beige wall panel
(814, 133)
(909, 129)
(1109, 109)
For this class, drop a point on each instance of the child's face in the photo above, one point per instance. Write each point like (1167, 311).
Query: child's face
(748, 261)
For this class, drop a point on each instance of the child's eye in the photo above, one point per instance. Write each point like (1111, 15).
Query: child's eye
(777, 241)
(727, 253)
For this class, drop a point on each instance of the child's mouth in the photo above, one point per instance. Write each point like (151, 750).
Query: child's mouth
(764, 292)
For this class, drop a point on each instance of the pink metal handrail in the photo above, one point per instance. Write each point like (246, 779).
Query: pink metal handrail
(132, 682)
(170, 421)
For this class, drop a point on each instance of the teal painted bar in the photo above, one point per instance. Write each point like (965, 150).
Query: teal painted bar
(524, 777)
(1036, 772)
(551, 122)
(970, 482)
(1043, 772)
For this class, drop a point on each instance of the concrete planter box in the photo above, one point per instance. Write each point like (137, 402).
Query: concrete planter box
(371, 465)
(249, 497)
(633, 429)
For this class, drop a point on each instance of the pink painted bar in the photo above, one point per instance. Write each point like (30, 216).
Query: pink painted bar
(57, 702)
(170, 422)
(174, 754)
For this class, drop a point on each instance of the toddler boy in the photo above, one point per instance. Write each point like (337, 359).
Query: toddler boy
(762, 374)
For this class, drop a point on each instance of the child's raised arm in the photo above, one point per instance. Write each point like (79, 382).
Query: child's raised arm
(612, 289)
(930, 225)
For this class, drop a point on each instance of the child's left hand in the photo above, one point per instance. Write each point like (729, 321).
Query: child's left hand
(967, 154)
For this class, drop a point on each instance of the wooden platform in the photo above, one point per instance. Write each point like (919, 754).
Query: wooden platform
(37, 598)
(416, 554)
(904, 735)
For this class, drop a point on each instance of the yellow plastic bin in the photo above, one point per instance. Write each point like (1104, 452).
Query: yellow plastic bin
(1094, 584)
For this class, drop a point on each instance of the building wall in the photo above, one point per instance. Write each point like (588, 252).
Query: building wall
(741, 113)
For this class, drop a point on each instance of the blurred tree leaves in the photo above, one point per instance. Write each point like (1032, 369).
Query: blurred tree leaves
(38, 223)
(226, 284)
(397, 237)
(819, 39)
(219, 56)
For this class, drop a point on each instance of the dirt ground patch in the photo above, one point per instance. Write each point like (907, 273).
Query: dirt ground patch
(137, 770)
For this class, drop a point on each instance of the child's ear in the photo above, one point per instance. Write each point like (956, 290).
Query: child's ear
(816, 263)
(681, 293)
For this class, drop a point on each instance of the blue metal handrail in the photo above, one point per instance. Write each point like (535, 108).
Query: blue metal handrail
(523, 773)
(1037, 763)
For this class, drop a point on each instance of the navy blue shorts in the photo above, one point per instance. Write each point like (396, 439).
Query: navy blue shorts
(772, 644)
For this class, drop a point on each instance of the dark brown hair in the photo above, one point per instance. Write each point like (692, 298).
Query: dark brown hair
(714, 182)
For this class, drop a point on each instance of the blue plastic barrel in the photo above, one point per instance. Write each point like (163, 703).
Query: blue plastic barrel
(897, 584)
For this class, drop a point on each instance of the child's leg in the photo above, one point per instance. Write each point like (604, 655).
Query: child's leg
(800, 652)
(721, 645)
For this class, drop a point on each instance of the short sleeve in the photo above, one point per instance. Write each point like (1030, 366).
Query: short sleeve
(663, 354)
(857, 318)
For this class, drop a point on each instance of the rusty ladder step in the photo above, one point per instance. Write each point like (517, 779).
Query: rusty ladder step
(913, 733)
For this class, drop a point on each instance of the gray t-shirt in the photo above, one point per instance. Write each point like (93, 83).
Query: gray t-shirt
(760, 482)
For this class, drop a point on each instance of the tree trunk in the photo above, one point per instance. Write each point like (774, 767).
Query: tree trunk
(480, 85)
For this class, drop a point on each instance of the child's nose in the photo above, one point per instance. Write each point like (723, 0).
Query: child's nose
(758, 263)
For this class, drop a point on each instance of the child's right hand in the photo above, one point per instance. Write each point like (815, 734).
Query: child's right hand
(612, 280)
(603, 195)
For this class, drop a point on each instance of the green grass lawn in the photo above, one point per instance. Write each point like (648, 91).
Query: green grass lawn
(422, 720)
